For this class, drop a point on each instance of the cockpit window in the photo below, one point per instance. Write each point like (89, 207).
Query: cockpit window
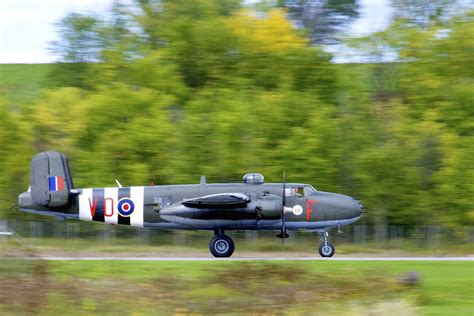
(295, 191)
(299, 191)
(308, 190)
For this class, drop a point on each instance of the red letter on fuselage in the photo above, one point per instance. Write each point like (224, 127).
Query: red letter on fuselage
(106, 208)
(309, 209)
(93, 206)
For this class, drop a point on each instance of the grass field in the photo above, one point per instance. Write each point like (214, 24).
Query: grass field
(127, 241)
(235, 287)
(20, 83)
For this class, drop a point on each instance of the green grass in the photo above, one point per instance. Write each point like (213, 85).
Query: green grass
(198, 241)
(280, 287)
(20, 83)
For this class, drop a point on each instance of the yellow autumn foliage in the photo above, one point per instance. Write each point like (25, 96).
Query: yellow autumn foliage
(271, 32)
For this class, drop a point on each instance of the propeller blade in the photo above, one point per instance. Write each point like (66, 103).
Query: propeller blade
(283, 235)
(284, 188)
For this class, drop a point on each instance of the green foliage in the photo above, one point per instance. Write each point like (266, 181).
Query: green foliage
(184, 89)
(80, 41)
(12, 133)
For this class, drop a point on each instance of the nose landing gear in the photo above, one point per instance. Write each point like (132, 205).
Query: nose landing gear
(221, 245)
(326, 249)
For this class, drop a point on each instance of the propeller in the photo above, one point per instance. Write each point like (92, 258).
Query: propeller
(283, 234)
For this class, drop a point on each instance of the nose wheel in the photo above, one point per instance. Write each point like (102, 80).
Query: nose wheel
(326, 249)
(221, 246)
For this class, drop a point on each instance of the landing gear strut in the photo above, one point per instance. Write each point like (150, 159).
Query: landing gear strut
(326, 249)
(221, 245)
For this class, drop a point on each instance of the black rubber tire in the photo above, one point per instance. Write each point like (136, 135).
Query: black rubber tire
(327, 251)
(221, 246)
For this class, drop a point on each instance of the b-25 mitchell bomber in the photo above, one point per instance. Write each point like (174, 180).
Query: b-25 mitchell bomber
(250, 205)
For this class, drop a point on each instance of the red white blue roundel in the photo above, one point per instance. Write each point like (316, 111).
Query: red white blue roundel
(125, 207)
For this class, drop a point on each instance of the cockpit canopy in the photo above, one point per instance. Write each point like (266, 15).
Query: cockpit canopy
(253, 178)
(299, 190)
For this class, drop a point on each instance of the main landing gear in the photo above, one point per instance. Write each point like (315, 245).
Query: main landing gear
(221, 245)
(326, 249)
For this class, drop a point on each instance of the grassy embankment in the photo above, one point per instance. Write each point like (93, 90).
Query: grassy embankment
(125, 287)
(20, 83)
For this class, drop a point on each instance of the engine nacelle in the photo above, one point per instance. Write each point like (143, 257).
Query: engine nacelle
(256, 207)
(268, 206)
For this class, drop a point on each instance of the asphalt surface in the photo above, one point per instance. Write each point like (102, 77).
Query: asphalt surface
(260, 259)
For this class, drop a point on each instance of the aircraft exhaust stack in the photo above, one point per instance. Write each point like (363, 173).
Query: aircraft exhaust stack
(51, 180)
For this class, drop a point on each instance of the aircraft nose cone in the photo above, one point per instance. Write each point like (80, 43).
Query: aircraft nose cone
(352, 207)
(338, 207)
(356, 208)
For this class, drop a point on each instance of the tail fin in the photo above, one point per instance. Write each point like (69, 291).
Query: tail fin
(51, 180)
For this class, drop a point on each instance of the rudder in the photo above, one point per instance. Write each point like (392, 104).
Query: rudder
(51, 180)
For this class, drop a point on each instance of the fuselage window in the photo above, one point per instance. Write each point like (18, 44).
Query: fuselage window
(160, 202)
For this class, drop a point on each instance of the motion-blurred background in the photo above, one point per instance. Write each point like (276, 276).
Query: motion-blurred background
(369, 98)
(167, 91)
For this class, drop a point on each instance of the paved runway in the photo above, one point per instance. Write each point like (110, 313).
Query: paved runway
(260, 259)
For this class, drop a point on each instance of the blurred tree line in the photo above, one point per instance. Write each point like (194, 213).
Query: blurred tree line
(166, 91)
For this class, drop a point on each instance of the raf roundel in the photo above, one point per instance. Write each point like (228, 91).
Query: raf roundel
(125, 207)
(297, 210)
